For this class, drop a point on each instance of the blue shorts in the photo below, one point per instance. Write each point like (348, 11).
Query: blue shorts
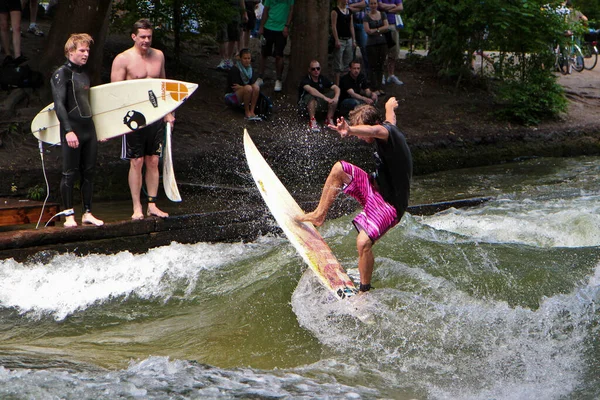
(377, 216)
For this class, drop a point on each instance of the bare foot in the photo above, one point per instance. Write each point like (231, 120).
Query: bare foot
(89, 219)
(312, 217)
(156, 212)
(136, 216)
(70, 221)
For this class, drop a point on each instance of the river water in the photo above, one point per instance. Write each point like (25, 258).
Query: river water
(499, 301)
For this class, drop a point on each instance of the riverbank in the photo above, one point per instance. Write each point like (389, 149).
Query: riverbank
(446, 127)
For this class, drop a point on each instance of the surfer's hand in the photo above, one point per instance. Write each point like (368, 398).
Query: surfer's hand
(170, 119)
(72, 139)
(342, 127)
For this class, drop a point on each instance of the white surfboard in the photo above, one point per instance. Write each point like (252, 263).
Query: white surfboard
(120, 107)
(303, 235)
(169, 182)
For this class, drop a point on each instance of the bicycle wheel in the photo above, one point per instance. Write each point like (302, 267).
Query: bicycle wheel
(590, 56)
(577, 58)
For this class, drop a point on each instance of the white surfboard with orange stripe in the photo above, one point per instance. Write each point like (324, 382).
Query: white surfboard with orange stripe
(120, 107)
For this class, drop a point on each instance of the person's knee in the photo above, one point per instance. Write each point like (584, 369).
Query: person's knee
(364, 244)
(136, 163)
(151, 161)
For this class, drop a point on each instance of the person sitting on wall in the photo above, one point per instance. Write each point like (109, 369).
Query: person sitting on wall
(317, 93)
(354, 89)
(242, 89)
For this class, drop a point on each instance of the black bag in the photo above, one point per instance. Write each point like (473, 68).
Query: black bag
(264, 106)
(12, 76)
(389, 39)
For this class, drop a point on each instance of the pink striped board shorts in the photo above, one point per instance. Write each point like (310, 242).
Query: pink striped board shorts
(377, 216)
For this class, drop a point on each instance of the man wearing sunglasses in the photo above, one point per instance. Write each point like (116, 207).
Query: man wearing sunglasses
(318, 93)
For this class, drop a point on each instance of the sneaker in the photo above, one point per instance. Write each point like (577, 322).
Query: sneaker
(383, 79)
(259, 82)
(313, 126)
(394, 79)
(228, 64)
(33, 28)
(222, 65)
(329, 121)
(278, 85)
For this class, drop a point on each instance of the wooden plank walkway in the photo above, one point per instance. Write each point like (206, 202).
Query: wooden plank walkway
(21, 212)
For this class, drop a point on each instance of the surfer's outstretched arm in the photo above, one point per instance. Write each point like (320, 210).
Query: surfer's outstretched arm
(333, 186)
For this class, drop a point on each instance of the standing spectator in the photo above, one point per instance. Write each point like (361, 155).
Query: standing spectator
(376, 24)
(33, 11)
(241, 86)
(354, 90)
(229, 35)
(70, 86)
(391, 8)
(317, 93)
(342, 29)
(248, 27)
(275, 29)
(11, 10)
(358, 13)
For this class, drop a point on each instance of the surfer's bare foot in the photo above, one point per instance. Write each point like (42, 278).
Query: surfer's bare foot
(70, 221)
(89, 219)
(156, 212)
(312, 217)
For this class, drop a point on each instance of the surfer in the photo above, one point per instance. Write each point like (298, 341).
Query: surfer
(70, 85)
(143, 146)
(383, 194)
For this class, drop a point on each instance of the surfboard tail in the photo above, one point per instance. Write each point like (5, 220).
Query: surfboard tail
(169, 182)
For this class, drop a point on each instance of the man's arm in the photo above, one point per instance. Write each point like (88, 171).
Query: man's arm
(390, 110)
(288, 22)
(356, 7)
(118, 71)
(336, 91)
(314, 92)
(390, 8)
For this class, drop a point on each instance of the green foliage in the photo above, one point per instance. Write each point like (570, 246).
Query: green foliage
(36, 193)
(197, 17)
(521, 34)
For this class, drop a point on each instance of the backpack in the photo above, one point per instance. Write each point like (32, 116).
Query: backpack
(264, 106)
(22, 76)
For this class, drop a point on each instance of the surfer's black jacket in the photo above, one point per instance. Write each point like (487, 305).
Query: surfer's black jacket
(394, 169)
(71, 92)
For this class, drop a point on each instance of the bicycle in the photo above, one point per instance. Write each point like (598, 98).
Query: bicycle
(590, 50)
(568, 57)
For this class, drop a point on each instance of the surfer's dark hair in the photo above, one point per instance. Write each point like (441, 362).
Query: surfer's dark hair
(141, 24)
(365, 114)
(244, 51)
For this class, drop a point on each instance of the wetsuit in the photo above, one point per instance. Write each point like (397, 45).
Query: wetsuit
(71, 92)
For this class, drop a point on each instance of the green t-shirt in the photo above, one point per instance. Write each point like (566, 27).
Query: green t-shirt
(278, 14)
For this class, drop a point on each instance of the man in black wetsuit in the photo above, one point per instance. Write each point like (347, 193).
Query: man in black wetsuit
(71, 92)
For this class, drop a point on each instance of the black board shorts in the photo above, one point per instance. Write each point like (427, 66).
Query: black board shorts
(147, 141)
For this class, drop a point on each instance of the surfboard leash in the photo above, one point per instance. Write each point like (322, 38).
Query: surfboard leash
(41, 146)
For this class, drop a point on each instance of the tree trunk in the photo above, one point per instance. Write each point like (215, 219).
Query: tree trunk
(77, 16)
(308, 36)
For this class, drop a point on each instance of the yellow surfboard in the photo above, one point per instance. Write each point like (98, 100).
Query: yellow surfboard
(120, 107)
(303, 235)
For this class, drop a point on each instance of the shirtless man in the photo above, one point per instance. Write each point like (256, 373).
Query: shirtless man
(144, 146)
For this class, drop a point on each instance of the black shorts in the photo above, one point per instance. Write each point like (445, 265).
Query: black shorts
(249, 26)
(10, 5)
(274, 43)
(147, 141)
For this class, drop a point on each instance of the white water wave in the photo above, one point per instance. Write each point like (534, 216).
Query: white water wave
(69, 283)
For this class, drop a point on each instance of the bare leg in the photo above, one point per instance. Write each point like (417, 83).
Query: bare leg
(333, 185)
(33, 10)
(244, 94)
(135, 186)
(366, 260)
(152, 177)
(312, 108)
(279, 67)
(331, 110)
(4, 33)
(254, 99)
(15, 21)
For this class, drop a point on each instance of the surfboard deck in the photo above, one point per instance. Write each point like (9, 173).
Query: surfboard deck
(169, 182)
(120, 107)
(303, 235)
